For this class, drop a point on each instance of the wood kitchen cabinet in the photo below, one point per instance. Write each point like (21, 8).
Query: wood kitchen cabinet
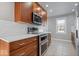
(37, 8)
(24, 47)
(4, 48)
(23, 12)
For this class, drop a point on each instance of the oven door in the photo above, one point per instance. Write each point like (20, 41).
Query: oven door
(43, 48)
(43, 44)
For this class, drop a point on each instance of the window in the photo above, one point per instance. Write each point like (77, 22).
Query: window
(60, 26)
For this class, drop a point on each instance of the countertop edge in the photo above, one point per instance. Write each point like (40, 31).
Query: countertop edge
(4, 40)
(17, 39)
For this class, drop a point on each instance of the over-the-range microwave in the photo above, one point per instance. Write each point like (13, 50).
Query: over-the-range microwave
(36, 19)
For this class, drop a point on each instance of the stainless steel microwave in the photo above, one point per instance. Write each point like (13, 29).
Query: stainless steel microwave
(36, 19)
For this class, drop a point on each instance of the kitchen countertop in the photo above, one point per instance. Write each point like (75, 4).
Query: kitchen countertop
(12, 31)
(11, 38)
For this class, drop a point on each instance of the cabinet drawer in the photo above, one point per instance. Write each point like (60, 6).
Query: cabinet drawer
(24, 51)
(18, 44)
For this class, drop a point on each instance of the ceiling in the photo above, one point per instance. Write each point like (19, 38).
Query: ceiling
(58, 8)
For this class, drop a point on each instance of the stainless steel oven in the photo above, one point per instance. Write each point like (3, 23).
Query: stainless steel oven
(43, 43)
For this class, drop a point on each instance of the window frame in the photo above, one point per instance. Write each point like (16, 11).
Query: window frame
(64, 25)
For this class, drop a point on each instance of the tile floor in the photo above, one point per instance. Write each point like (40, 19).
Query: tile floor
(60, 48)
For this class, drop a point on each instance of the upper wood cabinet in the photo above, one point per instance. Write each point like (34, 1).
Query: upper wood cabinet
(37, 8)
(23, 11)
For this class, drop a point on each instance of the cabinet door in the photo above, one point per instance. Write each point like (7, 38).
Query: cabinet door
(18, 11)
(26, 12)
(22, 42)
(4, 48)
(25, 50)
(23, 12)
(29, 48)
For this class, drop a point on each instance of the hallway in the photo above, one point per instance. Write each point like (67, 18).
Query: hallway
(60, 47)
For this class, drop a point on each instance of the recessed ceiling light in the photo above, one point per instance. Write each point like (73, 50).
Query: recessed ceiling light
(47, 6)
(73, 10)
(51, 10)
(76, 4)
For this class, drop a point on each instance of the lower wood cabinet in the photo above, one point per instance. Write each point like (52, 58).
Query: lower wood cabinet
(24, 47)
(4, 48)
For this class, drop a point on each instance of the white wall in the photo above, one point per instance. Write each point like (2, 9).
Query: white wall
(7, 11)
(70, 21)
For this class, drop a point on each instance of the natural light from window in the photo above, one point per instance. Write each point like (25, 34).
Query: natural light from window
(60, 26)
